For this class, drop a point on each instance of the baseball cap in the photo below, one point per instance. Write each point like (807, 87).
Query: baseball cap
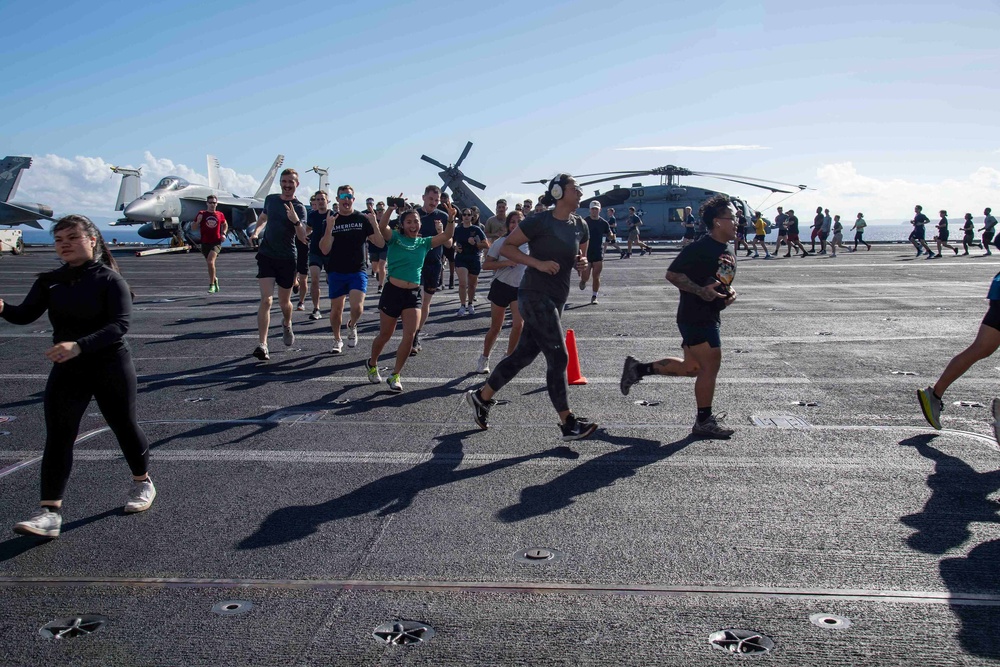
(595, 204)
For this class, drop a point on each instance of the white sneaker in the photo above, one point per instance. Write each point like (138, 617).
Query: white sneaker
(338, 346)
(352, 335)
(315, 314)
(140, 496)
(462, 311)
(287, 336)
(45, 523)
(483, 367)
(472, 309)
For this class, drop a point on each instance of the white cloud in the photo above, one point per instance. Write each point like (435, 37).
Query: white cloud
(699, 149)
(843, 189)
(86, 185)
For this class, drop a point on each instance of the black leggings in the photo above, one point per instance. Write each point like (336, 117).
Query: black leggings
(108, 377)
(542, 333)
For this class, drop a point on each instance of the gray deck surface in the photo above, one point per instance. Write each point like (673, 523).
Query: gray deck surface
(334, 505)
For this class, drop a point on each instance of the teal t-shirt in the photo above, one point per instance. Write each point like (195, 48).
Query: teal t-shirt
(406, 256)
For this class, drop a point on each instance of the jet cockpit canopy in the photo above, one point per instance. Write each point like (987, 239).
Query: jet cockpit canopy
(171, 183)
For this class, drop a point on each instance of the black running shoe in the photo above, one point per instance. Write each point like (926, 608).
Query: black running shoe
(480, 408)
(577, 429)
(630, 374)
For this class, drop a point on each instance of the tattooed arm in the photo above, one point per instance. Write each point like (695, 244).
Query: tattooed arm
(685, 284)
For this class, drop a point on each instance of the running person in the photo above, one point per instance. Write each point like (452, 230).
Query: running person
(212, 229)
(401, 295)
(282, 225)
(613, 225)
(557, 240)
(89, 307)
(969, 229)
(503, 294)
(688, 222)
(793, 235)
(496, 226)
(918, 233)
(942, 235)
(781, 222)
(302, 263)
(760, 233)
(376, 254)
(343, 245)
(468, 240)
(817, 229)
(598, 231)
(741, 232)
(695, 273)
(859, 231)
(838, 237)
(633, 223)
(985, 344)
(316, 228)
(989, 225)
(432, 222)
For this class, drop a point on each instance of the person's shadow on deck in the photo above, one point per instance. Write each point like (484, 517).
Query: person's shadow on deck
(591, 476)
(386, 495)
(959, 497)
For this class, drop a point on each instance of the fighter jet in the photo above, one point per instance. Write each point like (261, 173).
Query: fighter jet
(167, 208)
(18, 213)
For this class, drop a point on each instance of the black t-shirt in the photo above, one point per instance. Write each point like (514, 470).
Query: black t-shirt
(598, 230)
(700, 262)
(555, 240)
(316, 221)
(613, 223)
(428, 228)
(919, 220)
(469, 237)
(818, 221)
(779, 222)
(793, 225)
(347, 252)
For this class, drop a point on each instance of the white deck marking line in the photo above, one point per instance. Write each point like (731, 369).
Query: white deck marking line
(36, 457)
(522, 587)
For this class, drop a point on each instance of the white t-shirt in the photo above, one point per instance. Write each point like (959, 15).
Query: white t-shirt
(509, 275)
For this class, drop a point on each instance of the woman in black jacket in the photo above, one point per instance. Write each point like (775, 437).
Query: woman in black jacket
(89, 306)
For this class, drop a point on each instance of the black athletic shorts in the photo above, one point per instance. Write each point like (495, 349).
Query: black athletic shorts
(595, 253)
(395, 299)
(208, 248)
(696, 334)
(282, 270)
(473, 264)
(376, 254)
(943, 235)
(992, 318)
(301, 258)
(501, 294)
(430, 276)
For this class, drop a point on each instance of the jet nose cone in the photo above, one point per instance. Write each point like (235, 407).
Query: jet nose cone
(140, 209)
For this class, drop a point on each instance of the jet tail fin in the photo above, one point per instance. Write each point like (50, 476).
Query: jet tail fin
(10, 175)
(214, 176)
(130, 188)
(265, 185)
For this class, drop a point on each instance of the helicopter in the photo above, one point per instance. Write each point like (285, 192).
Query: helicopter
(453, 178)
(661, 206)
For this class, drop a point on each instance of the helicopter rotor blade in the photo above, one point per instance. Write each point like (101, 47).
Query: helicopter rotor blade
(433, 162)
(543, 181)
(753, 178)
(755, 185)
(472, 181)
(468, 147)
(609, 173)
(615, 178)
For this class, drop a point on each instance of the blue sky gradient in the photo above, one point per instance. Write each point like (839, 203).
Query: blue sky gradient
(904, 94)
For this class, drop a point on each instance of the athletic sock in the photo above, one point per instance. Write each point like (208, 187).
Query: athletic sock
(52, 508)
(646, 369)
(704, 413)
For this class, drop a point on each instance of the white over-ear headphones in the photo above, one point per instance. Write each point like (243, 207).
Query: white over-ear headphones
(556, 189)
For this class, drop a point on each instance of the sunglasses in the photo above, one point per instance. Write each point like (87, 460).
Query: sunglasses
(466, 214)
(345, 196)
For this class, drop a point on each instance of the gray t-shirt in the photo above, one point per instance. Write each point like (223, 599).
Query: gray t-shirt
(827, 224)
(555, 240)
(279, 234)
(510, 275)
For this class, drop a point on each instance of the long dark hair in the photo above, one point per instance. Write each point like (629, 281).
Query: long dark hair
(101, 253)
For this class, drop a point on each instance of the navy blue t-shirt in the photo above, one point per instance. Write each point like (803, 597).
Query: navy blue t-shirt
(428, 228)
(316, 221)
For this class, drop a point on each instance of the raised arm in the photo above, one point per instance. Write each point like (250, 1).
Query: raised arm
(449, 230)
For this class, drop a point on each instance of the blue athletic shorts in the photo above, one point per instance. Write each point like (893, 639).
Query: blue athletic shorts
(341, 284)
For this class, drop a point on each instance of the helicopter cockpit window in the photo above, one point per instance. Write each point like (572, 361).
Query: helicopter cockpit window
(676, 215)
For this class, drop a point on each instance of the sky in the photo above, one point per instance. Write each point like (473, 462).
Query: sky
(875, 106)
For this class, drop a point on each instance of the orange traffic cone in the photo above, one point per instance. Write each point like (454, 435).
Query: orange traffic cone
(573, 374)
